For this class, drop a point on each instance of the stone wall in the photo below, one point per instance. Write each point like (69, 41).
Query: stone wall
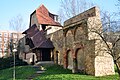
(89, 13)
(104, 64)
(58, 41)
(89, 51)
(85, 46)
(94, 25)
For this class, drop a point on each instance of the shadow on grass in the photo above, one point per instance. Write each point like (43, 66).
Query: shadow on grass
(56, 72)
(22, 72)
(56, 69)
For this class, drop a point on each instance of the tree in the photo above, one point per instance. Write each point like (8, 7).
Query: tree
(110, 21)
(110, 35)
(118, 5)
(70, 8)
(17, 23)
(106, 31)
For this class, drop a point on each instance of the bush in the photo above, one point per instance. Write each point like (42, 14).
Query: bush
(9, 62)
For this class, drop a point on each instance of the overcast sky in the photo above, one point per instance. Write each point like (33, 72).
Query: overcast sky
(12, 8)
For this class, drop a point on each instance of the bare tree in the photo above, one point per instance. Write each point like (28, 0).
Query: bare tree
(110, 36)
(110, 21)
(110, 25)
(70, 8)
(118, 5)
(17, 23)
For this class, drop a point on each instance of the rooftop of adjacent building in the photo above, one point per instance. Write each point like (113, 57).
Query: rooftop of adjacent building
(44, 17)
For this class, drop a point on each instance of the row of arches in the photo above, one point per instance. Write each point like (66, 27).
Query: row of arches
(77, 55)
(78, 33)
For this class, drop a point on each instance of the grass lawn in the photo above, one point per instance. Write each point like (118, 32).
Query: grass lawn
(56, 72)
(22, 72)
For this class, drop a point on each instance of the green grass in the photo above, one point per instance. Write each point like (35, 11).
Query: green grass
(115, 68)
(22, 72)
(56, 72)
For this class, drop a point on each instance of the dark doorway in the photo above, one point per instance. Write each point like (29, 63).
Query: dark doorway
(46, 54)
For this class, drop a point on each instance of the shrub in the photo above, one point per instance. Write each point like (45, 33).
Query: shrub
(9, 62)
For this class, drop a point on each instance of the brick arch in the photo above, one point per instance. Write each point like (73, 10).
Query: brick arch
(80, 57)
(65, 32)
(69, 39)
(68, 31)
(69, 58)
(75, 28)
(79, 32)
(76, 50)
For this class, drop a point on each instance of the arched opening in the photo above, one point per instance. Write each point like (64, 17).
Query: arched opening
(58, 57)
(69, 38)
(69, 59)
(80, 59)
(79, 34)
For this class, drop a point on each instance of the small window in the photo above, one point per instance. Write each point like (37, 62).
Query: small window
(43, 27)
(10, 34)
(0, 39)
(0, 34)
(5, 39)
(5, 34)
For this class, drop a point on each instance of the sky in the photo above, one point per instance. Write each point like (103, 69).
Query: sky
(12, 8)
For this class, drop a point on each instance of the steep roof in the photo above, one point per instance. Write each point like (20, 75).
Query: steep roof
(40, 41)
(43, 16)
(38, 38)
(31, 31)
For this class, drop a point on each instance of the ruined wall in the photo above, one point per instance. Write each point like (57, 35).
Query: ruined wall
(104, 64)
(89, 50)
(76, 32)
(75, 38)
(88, 13)
(58, 41)
(81, 30)
(101, 58)
(69, 39)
